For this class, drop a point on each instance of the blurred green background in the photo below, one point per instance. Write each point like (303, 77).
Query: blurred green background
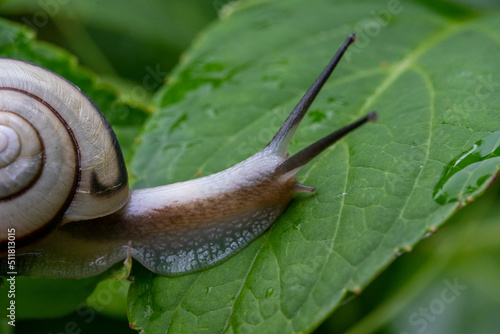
(439, 287)
(121, 41)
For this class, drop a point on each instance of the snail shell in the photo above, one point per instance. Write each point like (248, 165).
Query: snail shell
(59, 158)
(64, 186)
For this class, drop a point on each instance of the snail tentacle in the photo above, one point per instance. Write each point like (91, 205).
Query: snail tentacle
(282, 138)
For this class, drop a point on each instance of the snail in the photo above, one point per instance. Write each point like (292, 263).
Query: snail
(64, 193)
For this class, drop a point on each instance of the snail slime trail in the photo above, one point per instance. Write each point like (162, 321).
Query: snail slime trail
(74, 213)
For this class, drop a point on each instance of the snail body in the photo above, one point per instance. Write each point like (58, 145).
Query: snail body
(96, 220)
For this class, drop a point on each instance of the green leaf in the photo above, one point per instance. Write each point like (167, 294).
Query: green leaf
(109, 298)
(471, 172)
(432, 74)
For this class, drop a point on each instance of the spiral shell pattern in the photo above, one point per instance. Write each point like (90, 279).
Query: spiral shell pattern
(59, 158)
